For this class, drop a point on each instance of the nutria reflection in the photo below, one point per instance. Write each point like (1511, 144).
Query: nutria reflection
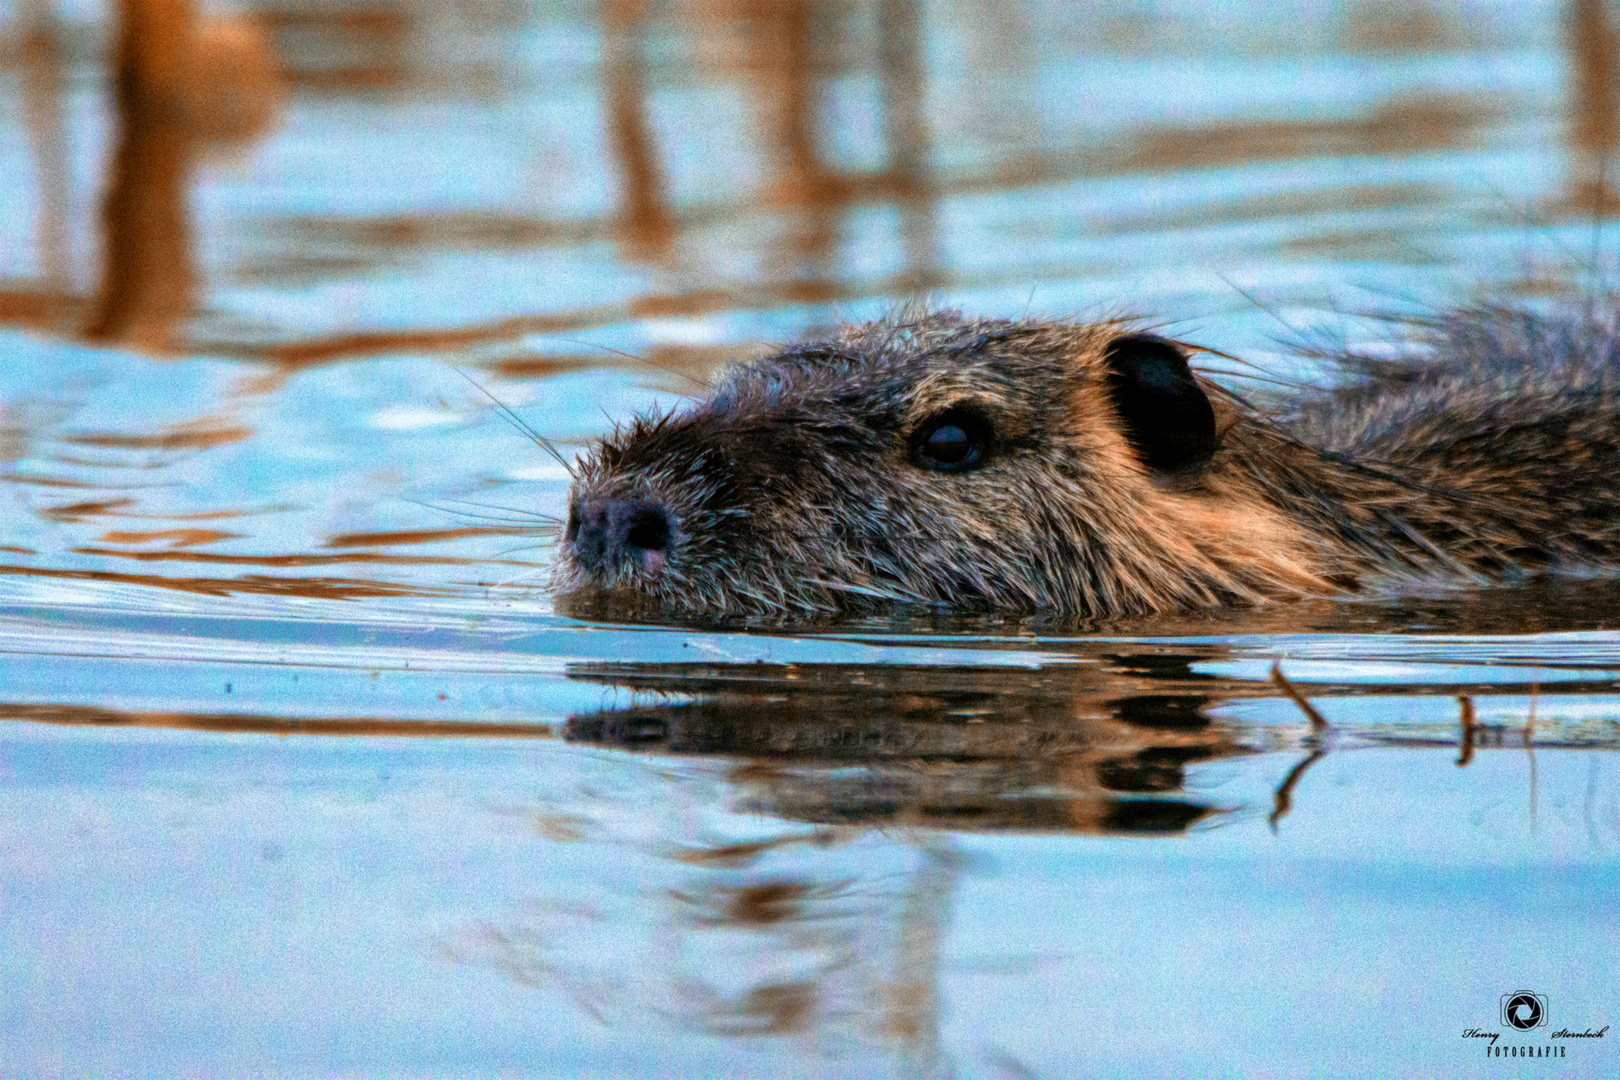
(1074, 747)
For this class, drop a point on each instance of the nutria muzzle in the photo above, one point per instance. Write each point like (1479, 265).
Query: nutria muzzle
(609, 535)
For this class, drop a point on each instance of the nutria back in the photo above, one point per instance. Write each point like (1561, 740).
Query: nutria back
(1086, 469)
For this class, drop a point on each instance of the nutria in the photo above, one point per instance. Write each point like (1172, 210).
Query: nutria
(1086, 469)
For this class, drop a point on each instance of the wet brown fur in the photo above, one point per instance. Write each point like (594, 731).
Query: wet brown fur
(794, 486)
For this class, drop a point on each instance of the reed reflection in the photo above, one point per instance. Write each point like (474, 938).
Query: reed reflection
(342, 48)
(905, 123)
(182, 84)
(44, 85)
(789, 42)
(787, 51)
(1594, 122)
(645, 225)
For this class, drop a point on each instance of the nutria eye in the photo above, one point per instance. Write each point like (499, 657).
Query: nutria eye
(948, 444)
(954, 441)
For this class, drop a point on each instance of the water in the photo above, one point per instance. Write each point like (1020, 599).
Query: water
(304, 774)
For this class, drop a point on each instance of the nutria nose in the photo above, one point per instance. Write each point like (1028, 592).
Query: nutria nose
(607, 532)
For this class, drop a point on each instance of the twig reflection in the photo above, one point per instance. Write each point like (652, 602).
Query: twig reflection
(1283, 800)
(1467, 730)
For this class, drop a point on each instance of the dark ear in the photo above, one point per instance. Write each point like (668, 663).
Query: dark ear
(1164, 412)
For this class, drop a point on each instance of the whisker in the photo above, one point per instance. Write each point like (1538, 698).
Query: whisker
(1269, 309)
(1261, 368)
(1529, 219)
(1274, 380)
(520, 547)
(518, 577)
(694, 380)
(539, 440)
(520, 517)
(521, 514)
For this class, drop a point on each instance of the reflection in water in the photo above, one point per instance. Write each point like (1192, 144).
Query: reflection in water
(1081, 747)
(375, 48)
(1469, 729)
(646, 224)
(1594, 103)
(905, 94)
(341, 47)
(1283, 800)
(146, 275)
(247, 723)
(831, 938)
(813, 933)
(314, 588)
(809, 72)
(43, 89)
(686, 901)
(180, 85)
(789, 48)
(1397, 26)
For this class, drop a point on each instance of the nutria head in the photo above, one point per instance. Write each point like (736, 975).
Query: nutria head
(969, 464)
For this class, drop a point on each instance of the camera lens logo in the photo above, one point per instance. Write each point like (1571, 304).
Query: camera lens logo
(1524, 1010)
